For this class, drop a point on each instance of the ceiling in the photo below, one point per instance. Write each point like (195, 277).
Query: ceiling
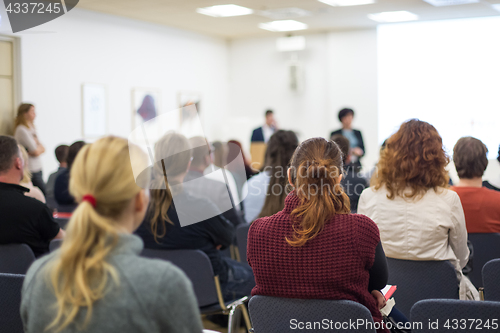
(182, 14)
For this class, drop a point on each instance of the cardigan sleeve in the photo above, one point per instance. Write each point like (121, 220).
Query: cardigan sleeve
(458, 234)
(366, 240)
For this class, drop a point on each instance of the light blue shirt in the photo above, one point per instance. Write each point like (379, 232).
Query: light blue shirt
(353, 140)
(254, 194)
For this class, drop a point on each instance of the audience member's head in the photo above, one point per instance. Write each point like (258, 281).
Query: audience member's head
(103, 183)
(412, 162)
(270, 118)
(344, 146)
(201, 153)
(220, 153)
(345, 116)
(73, 151)
(315, 173)
(470, 157)
(25, 115)
(26, 171)
(280, 149)
(234, 149)
(176, 152)
(62, 155)
(11, 161)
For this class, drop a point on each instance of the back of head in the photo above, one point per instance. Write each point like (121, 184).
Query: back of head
(200, 151)
(280, 149)
(344, 112)
(22, 110)
(344, 146)
(80, 273)
(174, 151)
(9, 151)
(234, 149)
(61, 153)
(412, 162)
(316, 168)
(73, 151)
(470, 157)
(219, 154)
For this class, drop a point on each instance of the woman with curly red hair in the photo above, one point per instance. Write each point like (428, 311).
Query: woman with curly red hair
(419, 218)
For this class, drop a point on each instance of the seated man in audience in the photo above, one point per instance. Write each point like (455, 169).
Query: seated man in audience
(61, 185)
(353, 183)
(61, 153)
(24, 219)
(481, 205)
(494, 184)
(199, 185)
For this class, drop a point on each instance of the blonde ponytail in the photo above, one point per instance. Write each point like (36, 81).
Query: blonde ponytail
(80, 274)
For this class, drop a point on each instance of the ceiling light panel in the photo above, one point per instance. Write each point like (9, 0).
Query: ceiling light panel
(285, 13)
(347, 2)
(283, 25)
(442, 3)
(225, 11)
(397, 16)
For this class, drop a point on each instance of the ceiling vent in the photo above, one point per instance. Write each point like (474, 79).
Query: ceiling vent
(285, 13)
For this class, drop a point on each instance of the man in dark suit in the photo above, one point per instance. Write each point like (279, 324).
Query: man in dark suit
(262, 134)
(354, 136)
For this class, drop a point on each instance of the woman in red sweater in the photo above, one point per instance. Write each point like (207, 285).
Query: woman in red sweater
(314, 248)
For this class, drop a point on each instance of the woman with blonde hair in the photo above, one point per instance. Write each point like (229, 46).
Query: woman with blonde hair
(418, 216)
(25, 134)
(34, 192)
(314, 248)
(97, 282)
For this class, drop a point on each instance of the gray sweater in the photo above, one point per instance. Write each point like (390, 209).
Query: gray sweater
(153, 296)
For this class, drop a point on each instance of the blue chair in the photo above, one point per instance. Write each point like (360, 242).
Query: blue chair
(198, 268)
(439, 315)
(491, 280)
(242, 240)
(10, 303)
(418, 280)
(276, 314)
(55, 244)
(486, 248)
(15, 258)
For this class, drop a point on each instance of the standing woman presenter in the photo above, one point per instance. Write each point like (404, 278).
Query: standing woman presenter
(26, 136)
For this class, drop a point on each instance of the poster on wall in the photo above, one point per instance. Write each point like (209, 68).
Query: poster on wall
(146, 105)
(94, 110)
(190, 124)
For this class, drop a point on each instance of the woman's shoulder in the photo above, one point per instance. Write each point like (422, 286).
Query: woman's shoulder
(444, 195)
(362, 222)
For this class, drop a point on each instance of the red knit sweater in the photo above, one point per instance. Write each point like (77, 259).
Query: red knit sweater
(334, 265)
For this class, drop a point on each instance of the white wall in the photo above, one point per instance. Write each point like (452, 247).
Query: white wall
(88, 47)
(340, 69)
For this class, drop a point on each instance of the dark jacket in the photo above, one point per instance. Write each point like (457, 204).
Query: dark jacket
(257, 135)
(205, 235)
(61, 189)
(358, 135)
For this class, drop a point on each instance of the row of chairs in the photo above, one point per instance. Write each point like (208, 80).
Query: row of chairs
(433, 316)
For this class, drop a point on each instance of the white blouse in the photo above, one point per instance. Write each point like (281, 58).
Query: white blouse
(429, 228)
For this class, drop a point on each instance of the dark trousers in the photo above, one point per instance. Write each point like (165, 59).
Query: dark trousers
(240, 281)
(37, 180)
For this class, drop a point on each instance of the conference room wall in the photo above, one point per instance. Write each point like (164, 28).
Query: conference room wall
(340, 70)
(89, 47)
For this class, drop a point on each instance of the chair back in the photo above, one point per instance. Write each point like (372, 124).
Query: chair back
(447, 315)
(486, 248)
(55, 244)
(10, 303)
(15, 258)
(276, 314)
(418, 280)
(198, 268)
(242, 239)
(491, 280)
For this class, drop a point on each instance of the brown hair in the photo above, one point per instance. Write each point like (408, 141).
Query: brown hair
(62, 153)
(21, 112)
(469, 155)
(344, 146)
(413, 158)
(176, 151)
(316, 167)
(280, 149)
